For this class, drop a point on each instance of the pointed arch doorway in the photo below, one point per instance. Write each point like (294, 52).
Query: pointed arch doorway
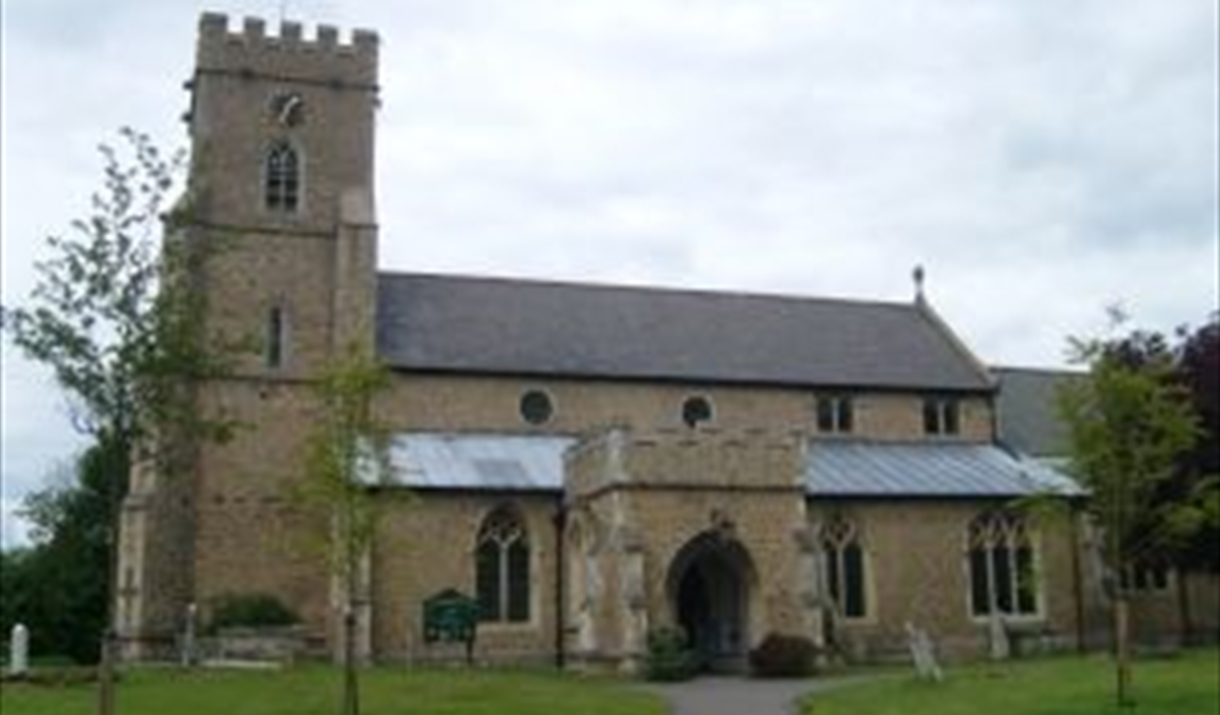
(709, 585)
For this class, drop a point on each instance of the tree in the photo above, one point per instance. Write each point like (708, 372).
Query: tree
(115, 316)
(57, 586)
(1128, 425)
(18, 598)
(1198, 372)
(1191, 496)
(347, 458)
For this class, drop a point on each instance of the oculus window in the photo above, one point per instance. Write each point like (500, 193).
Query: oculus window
(696, 410)
(536, 407)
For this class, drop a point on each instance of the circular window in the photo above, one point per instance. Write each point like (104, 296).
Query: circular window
(288, 109)
(536, 407)
(696, 410)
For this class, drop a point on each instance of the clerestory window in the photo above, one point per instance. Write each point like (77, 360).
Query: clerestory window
(941, 416)
(835, 414)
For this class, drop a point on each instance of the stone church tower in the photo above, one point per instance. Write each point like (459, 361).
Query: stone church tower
(281, 196)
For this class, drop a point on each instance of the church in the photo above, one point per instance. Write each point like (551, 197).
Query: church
(589, 462)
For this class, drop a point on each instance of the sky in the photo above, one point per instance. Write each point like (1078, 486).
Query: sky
(1042, 160)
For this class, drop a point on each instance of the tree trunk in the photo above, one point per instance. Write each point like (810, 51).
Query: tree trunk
(351, 694)
(117, 471)
(1122, 652)
(1185, 615)
(105, 673)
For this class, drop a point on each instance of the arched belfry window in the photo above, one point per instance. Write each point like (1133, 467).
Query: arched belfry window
(1002, 578)
(843, 566)
(282, 191)
(502, 564)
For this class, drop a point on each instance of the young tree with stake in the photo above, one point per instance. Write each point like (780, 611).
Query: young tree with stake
(1127, 426)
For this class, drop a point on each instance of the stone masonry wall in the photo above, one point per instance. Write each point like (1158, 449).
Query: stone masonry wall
(427, 543)
(917, 570)
(472, 403)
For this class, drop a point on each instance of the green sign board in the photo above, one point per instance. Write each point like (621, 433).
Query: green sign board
(450, 616)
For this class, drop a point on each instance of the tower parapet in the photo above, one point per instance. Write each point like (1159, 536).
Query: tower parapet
(289, 56)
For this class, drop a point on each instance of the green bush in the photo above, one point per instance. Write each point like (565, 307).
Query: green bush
(669, 657)
(781, 656)
(250, 610)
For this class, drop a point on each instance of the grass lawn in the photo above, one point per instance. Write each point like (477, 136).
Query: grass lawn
(1188, 684)
(315, 690)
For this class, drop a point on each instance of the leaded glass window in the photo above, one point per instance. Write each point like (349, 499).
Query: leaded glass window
(283, 178)
(1002, 574)
(843, 566)
(502, 565)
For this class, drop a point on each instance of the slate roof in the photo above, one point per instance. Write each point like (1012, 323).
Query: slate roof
(1026, 415)
(494, 462)
(880, 469)
(502, 326)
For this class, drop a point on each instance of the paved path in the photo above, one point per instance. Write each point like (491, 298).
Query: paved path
(740, 696)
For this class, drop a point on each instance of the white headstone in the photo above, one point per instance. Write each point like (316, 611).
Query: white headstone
(188, 637)
(998, 637)
(19, 651)
(922, 654)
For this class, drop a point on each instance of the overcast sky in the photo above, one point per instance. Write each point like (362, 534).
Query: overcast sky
(1042, 159)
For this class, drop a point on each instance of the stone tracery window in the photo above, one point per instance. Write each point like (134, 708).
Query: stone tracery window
(282, 171)
(1002, 574)
(843, 566)
(502, 565)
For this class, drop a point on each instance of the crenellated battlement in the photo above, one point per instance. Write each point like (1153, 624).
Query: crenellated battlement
(706, 458)
(251, 51)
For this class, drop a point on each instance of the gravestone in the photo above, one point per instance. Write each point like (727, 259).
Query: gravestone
(188, 637)
(19, 651)
(998, 637)
(922, 654)
(451, 616)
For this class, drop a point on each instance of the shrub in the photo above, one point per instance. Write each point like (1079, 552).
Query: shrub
(782, 656)
(250, 610)
(669, 658)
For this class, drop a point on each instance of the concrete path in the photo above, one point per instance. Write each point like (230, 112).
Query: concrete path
(740, 696)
